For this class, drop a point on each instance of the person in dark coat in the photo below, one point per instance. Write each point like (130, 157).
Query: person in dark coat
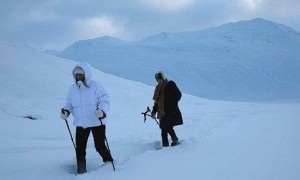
(166, 98)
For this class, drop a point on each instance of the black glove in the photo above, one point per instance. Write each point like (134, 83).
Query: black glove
(153, 115)
(64, 114)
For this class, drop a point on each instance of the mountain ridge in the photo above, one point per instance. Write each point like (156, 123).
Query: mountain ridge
(239, 61)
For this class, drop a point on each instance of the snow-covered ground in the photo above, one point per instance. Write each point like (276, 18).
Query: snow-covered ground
(220, 140)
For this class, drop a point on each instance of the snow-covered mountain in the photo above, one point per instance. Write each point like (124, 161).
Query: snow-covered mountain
(220, 140)
(241, 61)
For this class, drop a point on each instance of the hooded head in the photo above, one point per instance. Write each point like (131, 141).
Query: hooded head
(78, 70)
(160, 76)
(84, 69)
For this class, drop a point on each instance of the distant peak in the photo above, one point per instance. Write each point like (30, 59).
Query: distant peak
(160, 37)
(103, 39)
(256, 24)
(259, 20)
(107, 38)
(163, 35)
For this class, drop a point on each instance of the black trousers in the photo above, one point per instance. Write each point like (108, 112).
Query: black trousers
(164, 135)
(82, 136)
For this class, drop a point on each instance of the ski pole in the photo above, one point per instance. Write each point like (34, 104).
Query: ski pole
(112, 162)
(146, 114)
(70, 134)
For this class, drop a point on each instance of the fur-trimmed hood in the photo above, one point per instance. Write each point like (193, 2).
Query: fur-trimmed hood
(87, 71)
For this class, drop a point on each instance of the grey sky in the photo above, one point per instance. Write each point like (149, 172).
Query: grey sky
(55, 24)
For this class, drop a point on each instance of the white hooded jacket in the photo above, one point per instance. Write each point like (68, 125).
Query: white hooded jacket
(83, 101)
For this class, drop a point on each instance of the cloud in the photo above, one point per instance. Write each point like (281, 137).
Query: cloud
(251, 4)
(97, 26)
(168, 5)
(51, 22)
(28, 11)
(38, 16)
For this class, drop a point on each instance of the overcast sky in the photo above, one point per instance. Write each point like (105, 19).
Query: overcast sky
(55, 24)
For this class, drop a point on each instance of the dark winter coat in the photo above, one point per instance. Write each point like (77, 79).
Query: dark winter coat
(172, 116)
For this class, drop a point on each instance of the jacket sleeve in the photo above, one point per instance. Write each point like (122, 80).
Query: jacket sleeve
(154, 108)
(172, 96)
(68, 105)
(177, 93)
(103, 99)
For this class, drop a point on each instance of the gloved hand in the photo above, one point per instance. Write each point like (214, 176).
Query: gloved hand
(64, 114)
(153, 115)
(99, 114)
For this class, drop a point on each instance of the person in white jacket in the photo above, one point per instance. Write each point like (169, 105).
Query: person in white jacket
(88, 102)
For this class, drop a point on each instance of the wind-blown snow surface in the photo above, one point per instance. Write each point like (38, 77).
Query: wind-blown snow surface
(221, 140)
(255, 60)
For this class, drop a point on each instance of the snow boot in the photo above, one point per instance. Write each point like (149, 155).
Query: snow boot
(175, 143)
(165, 143)
(108, 159)
(81, 167)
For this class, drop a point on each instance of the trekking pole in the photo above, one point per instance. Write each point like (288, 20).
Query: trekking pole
(146, 114)
(112, 162)
(70, 134)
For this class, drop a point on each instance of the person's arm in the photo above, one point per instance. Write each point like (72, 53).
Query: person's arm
(103, 99)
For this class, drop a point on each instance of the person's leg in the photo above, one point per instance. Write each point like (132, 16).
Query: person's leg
(173, 136)
(164, 137)
(82, 136)
(99, 141)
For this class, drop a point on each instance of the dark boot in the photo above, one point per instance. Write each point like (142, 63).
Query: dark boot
(173, 137)
(174, 143)
(108, 159)
(81, 167)
(165, 144)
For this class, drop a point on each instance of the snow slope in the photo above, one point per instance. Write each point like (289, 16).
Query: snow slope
(221, 140)
(255, 60)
